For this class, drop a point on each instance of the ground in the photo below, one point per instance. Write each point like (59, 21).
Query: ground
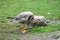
(40, 36)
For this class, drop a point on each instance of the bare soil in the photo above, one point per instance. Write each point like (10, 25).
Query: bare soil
(40, 36)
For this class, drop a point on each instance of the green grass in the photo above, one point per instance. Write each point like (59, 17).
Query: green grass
(47, 29)
(11, 8)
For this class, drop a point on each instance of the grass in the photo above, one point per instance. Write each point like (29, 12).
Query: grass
(11, 8)
(47, 29)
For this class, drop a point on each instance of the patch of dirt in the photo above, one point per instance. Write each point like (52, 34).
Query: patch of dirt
(41, 36)
(55, 22)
